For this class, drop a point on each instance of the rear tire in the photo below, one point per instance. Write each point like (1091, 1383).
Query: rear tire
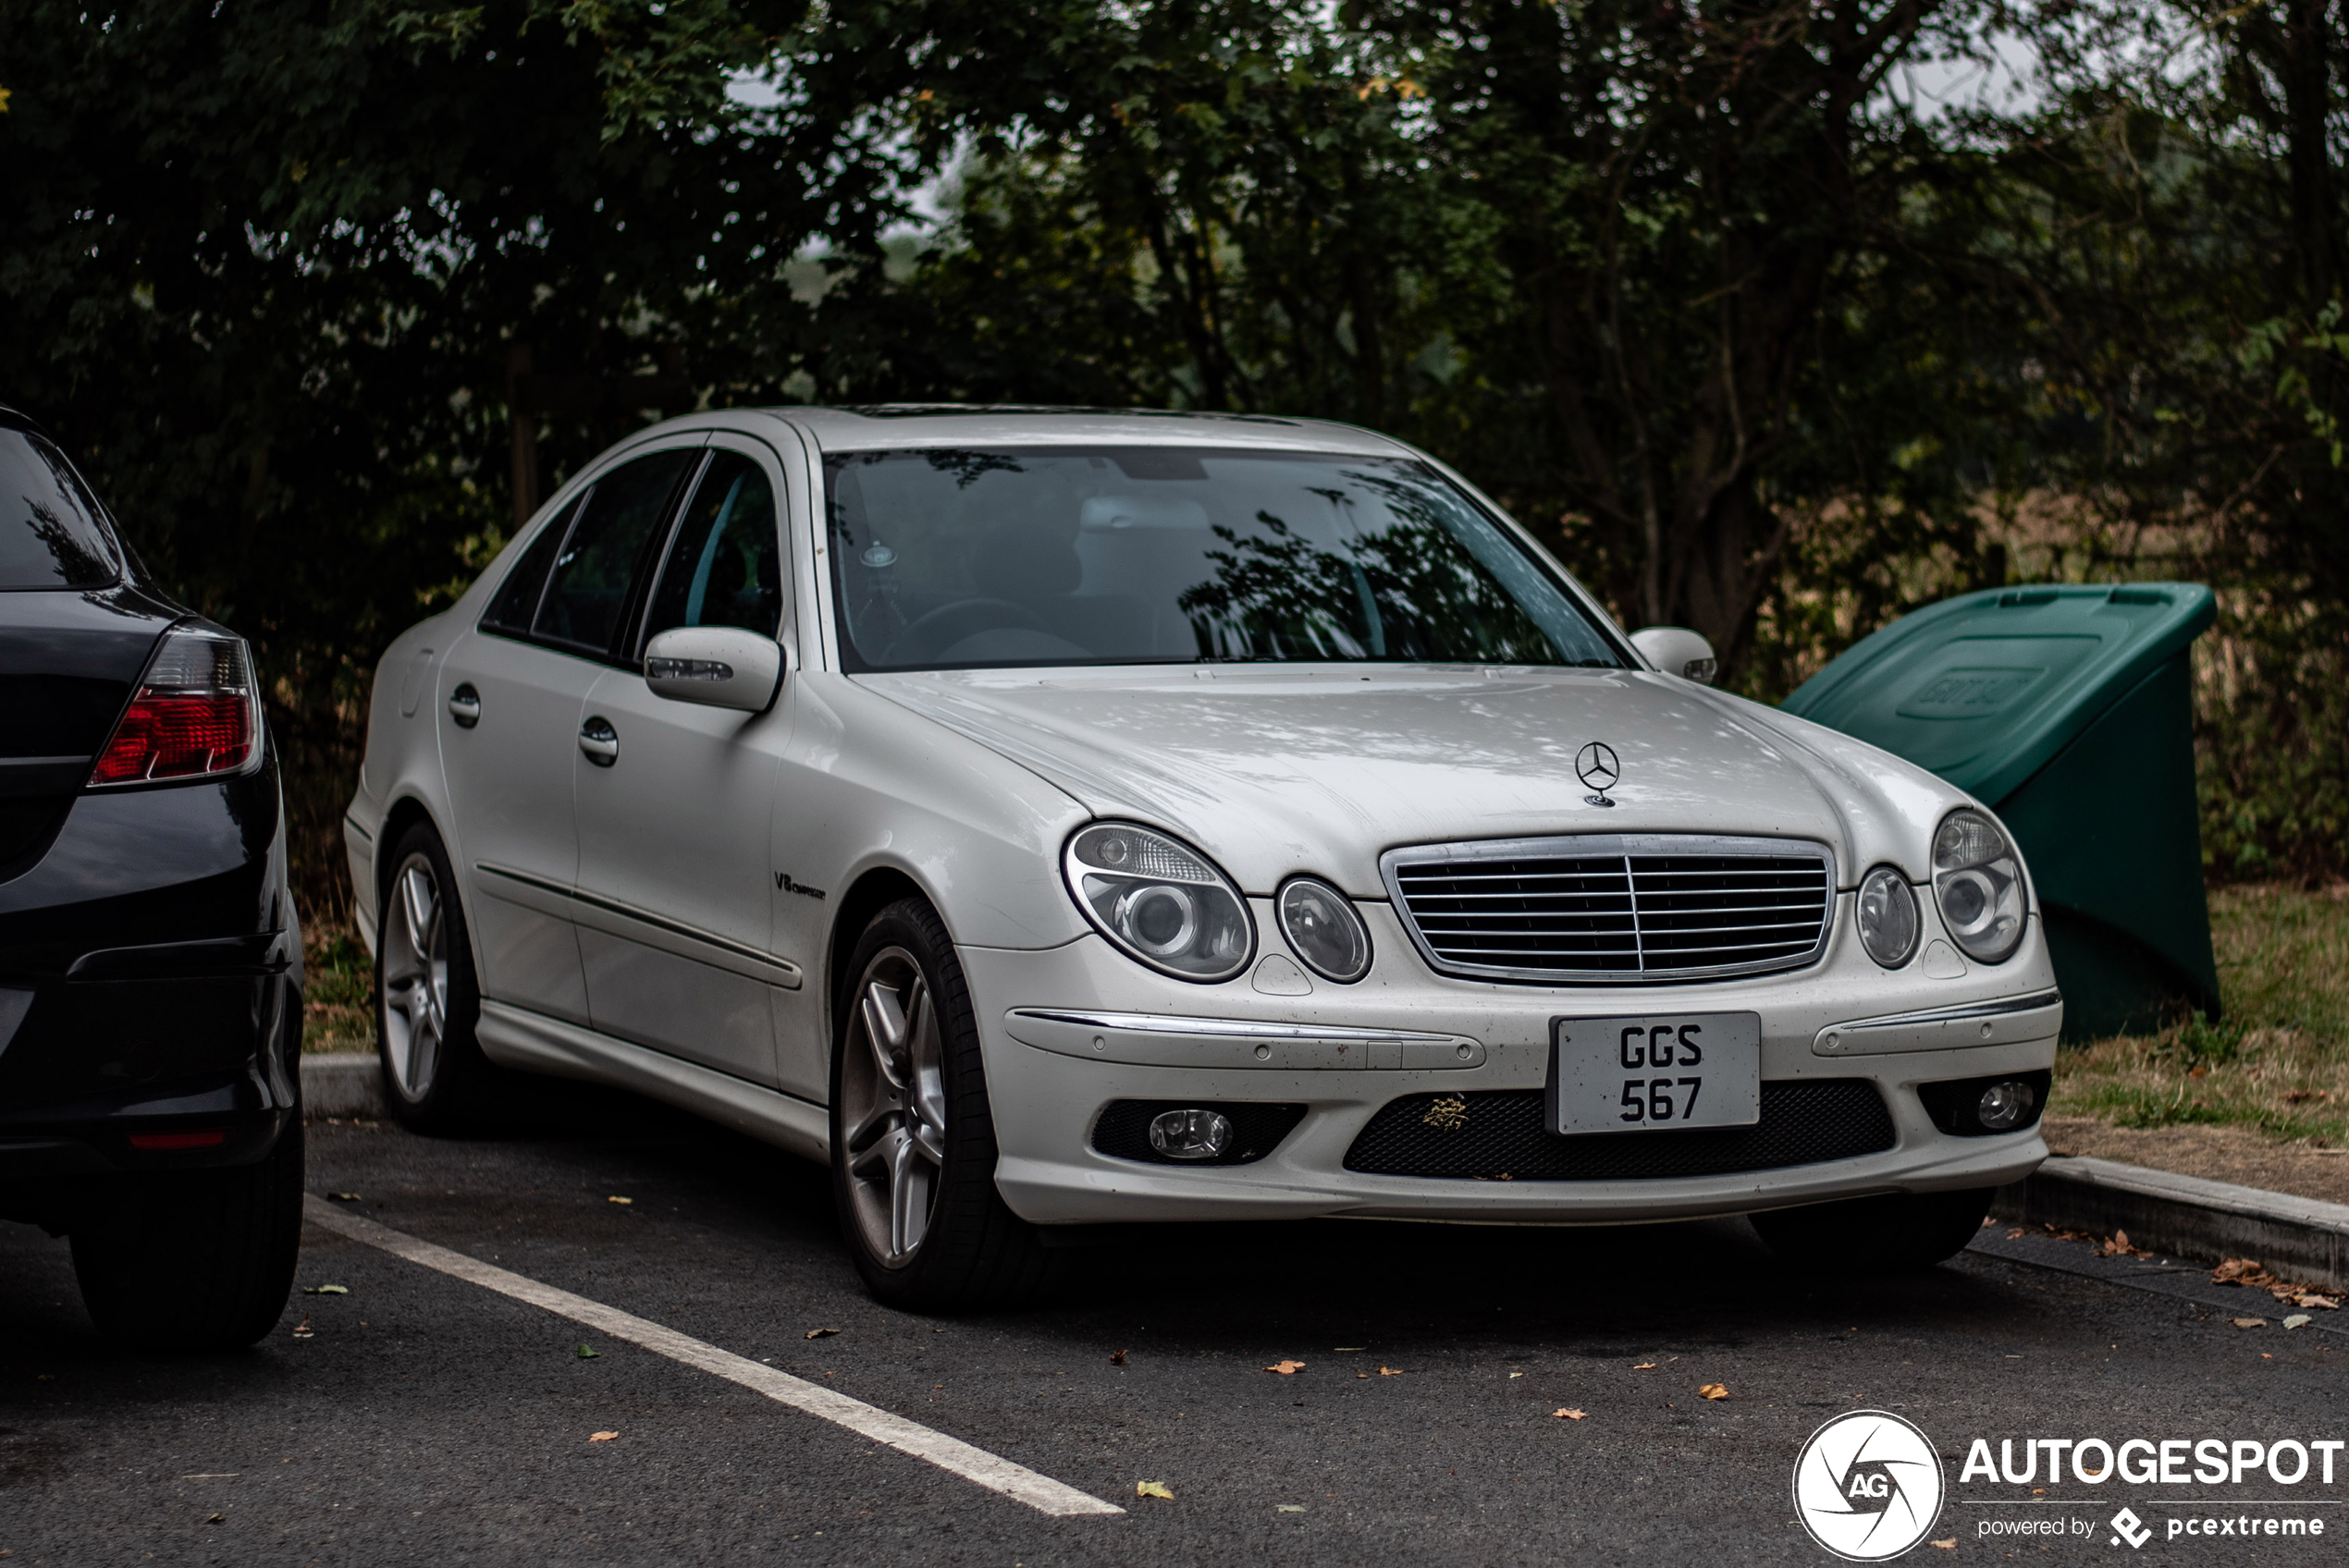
(427, 1000)
(1904, 1234)
(198, 1259)
(913, 1139)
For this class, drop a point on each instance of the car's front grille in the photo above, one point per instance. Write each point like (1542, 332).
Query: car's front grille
(1496, 1135)
(1627, 907)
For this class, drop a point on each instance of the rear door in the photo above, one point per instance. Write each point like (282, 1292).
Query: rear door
(675, 901)
(512, 701)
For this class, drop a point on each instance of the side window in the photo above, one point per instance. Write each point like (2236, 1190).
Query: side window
(725, 567)
(511, 611)
(589, 586)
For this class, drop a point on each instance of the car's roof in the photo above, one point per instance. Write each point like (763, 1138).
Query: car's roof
(883, 426)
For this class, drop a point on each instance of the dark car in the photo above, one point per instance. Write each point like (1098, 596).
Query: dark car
(150, 956)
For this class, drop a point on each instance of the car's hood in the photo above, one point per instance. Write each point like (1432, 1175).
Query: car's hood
(1321, 769)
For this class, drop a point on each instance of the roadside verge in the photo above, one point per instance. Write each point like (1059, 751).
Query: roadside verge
(2185, 1215)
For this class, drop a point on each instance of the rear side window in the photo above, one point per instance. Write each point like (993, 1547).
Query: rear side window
(517, 601)
(50, 532)
(589, 587)
(725, 567)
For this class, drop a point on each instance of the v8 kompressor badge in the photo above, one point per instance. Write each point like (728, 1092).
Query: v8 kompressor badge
(1868, 1486)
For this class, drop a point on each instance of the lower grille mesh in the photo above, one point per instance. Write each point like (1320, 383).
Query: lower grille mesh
(1498, 1132)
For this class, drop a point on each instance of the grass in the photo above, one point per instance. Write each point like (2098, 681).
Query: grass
(2279, 1062)
(338, 1013)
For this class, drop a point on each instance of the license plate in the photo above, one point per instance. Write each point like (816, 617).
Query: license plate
(1655, 1073)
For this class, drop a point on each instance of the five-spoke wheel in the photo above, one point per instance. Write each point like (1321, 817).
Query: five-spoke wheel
(912, 1133)
(893, 1106)
(415, 976)
(434, 1077)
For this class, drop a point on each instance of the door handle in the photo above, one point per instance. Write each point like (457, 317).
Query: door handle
(465, 706)
(600, 741)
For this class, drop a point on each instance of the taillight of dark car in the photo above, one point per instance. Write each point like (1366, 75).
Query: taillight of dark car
(197, 714)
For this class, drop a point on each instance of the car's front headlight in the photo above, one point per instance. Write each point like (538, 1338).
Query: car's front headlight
(1888, 922)
(1977, 880)
(1320, 923)
(1161, 901)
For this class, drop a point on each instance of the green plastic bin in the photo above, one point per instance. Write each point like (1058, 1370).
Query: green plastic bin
(2069, 712)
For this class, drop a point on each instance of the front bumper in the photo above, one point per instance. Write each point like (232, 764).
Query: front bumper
(1049, 1084)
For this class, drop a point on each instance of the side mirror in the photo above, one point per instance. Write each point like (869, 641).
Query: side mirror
(720, 666)
(1676, 650)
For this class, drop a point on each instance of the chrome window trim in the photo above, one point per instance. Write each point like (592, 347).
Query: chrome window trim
(1392, 863)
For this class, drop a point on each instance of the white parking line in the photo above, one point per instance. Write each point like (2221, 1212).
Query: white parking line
(1015, 1481)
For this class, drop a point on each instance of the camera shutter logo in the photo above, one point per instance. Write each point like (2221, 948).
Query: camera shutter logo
(1868, 1486)
(1598, 767)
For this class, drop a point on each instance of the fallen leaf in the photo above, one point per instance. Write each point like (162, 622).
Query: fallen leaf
(2015, 1235)
(302, 1331)
(1645, 1366)
(2198, 1070)
(1117, 1358)
(819, 1333)
(588, 1353)
(2121, 1240)
(1385, 1371)
(215, 1519)
(326, 1290)
(2298, 1320)
(1288, 1508)
(344, 1198)
(601, 1437)
(619, 1200)
(2250, 1322)
(1286, 1368)
(1949, 1545)
(2310, 1298)
(1567, 1414)
(1714, 1390)
(1152, 1489)
(1516, 1374)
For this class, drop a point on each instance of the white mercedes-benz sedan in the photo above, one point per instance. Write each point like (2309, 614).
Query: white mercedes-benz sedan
(1059, 819)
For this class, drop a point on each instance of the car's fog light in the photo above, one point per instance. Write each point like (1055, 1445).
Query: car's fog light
(1190, 1134)
(2004, 1104)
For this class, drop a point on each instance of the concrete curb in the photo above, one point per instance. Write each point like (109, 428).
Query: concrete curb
(2186, 1216)
(344, 1084)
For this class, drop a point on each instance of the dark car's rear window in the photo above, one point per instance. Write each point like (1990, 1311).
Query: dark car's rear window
(51, 533)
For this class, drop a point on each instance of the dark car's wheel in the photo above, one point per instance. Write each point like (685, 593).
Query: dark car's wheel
(198, 1259)
(1896, 1234)
(436, 1080)
(913, 1141)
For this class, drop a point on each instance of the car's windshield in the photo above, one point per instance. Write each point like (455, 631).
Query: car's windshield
(956, 559)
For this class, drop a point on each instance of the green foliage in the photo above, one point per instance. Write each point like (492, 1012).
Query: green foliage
(1761, 347)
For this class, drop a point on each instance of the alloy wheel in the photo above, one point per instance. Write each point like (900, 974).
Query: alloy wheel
(415, 977)
(893, 1106)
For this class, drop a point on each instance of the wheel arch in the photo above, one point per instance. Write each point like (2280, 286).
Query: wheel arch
(874, 890)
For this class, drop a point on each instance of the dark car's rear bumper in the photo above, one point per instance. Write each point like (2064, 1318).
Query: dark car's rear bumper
(151, 962)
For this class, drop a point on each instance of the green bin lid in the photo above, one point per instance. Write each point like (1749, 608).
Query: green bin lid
(1987, 688)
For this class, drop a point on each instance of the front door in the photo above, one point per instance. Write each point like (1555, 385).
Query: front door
(674, 903)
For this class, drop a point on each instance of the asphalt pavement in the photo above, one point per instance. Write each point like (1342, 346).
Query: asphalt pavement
(422, 1417)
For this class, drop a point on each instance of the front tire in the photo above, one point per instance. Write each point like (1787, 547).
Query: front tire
(428, 1001)
(912, 1137)
(1904, 1234)
(198, 1259)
